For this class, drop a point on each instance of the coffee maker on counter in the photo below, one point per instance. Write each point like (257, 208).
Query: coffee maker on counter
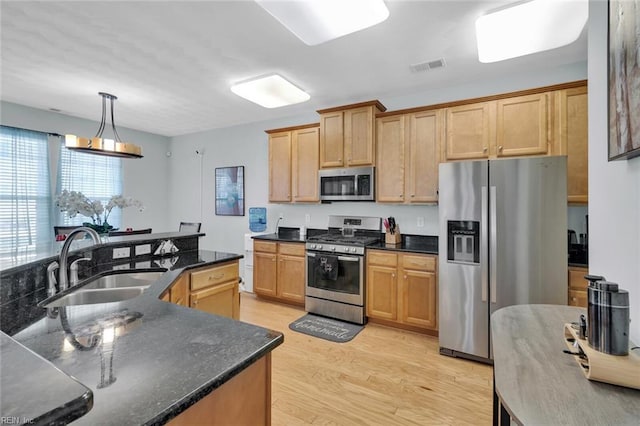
(607, 316)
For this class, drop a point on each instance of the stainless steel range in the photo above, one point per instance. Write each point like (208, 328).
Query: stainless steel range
(335, 267)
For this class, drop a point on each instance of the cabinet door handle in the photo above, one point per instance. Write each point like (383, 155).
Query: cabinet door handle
(484, 149)
(405, 277)
(195, 302)
(500, 148)
(413, 195)
(393, 275)
(273, 260)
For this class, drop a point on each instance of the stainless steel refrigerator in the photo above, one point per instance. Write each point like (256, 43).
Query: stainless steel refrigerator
(503, 241)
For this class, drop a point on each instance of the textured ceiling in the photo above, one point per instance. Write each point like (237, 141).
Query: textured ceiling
(171, 63)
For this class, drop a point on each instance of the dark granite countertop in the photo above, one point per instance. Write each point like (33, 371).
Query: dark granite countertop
(161, 359)
(52, 394)
(427, 244)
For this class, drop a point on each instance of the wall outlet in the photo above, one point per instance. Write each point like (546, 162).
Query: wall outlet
(307, 218)
(143, 249)
(281, 216)
(121, 267)
(121, 253)
(420, 222)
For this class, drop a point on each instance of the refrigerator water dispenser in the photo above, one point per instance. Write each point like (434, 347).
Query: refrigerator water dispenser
(463, 241)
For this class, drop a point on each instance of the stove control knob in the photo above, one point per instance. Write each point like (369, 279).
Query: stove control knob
(353, 249)
(333, 248)
(319, 247)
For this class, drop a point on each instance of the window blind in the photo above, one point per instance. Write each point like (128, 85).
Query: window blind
(96, 176)
(25, 199)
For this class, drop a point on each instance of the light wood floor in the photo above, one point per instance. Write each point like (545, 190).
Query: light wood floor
(384, 376)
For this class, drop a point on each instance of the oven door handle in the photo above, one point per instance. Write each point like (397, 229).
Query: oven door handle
(345, 258)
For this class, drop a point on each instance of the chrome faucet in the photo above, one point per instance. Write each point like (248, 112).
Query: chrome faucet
(64, 253)
(73, 271)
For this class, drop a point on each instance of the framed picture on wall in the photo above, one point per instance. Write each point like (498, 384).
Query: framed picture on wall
(230, 191)
(624, 79)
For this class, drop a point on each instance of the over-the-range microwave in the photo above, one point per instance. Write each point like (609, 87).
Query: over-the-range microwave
(347, 184)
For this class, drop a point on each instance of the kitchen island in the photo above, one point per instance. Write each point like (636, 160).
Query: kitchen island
(536, 382)
(144, 361)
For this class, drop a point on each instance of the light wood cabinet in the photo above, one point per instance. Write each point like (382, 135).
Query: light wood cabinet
(279, 271)
(402, 290)
(523, 125)
(243, 400)
(578, 286)
(293, 164)
(213, 289)
(573, 135)
(347, 135)
(408, 148)
(469, 131)
(508, 127)
(305, 160)
(179, 291)
(280, 167)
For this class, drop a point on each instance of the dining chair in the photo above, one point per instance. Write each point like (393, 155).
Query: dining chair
(189, 226)
(133, 232)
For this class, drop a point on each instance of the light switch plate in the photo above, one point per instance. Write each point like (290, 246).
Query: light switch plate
(420, 221)
(121, 252)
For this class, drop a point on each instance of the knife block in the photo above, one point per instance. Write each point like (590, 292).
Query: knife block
(601, 367)
(393, 239)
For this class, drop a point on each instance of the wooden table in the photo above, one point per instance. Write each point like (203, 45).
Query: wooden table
(535, 382)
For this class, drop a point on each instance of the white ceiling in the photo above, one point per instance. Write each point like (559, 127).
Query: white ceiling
(171, 63)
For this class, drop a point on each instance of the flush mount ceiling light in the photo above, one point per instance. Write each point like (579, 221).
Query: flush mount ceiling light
(530, 27)
(102, 146)
(272, 91)
(317, 21)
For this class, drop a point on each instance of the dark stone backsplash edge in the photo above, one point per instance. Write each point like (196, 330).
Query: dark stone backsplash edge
(21, 281)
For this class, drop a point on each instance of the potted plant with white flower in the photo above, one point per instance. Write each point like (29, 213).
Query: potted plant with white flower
(76, 203)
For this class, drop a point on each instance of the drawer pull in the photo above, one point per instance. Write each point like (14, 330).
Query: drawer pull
(216, 277)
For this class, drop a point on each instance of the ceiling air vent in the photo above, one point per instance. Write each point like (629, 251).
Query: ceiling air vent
(427, 66)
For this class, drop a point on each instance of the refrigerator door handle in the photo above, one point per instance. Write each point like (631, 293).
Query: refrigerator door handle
(484, 243)
(493, 245)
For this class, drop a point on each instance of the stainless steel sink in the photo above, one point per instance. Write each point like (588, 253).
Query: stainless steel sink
(106, 289)
(84, 296)
(133, 279)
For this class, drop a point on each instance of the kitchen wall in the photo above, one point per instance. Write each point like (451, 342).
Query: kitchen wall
(614, 187)
(145, 179)
(192, 176)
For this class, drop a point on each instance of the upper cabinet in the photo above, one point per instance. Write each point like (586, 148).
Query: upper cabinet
(506, 127)
(523, 125)
(572, 134)
(293, 164)
(408, 149)
(469, 131)
(280, 166)
(347, 135)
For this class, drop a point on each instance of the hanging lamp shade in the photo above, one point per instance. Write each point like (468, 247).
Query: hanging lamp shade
(103, 146)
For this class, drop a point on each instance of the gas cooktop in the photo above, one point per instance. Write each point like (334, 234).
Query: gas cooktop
(356, 240)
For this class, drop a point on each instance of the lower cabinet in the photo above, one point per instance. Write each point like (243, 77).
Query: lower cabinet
(213, 289)
(578, 286)
(243, 400)
(402, 290)
(279, 271)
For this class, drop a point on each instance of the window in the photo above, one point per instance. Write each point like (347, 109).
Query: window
(25, 193)
(97, 176)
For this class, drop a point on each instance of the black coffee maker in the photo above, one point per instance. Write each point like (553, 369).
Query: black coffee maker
(607, 316)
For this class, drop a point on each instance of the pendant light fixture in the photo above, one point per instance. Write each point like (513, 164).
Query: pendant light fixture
(102, 146)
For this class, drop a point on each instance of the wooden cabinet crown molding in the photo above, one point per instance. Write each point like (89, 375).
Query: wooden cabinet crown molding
(292, 128)
(562, 86)
(374, 102)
